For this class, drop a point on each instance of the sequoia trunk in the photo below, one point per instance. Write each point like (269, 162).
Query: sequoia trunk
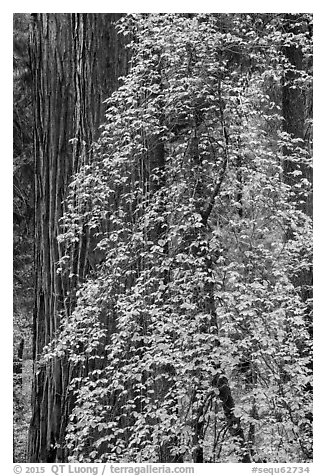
(297, 112)
(76, 61)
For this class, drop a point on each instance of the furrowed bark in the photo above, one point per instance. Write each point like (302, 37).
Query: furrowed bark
(297, 112)
(76, 60)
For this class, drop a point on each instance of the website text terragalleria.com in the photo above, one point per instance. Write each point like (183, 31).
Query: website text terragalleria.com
(58, 469)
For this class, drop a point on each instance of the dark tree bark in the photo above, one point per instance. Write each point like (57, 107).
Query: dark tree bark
(297, 112)
(18, 362)
(76, 61)
(297, 109)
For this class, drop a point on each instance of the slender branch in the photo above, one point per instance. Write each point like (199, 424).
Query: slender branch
(209, 206)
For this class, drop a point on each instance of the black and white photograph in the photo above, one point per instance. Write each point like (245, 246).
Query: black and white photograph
(162, 240)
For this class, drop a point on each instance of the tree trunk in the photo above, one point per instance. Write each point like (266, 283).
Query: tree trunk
(297, 106)
(76, 61)
(18, 363)
(297, 111)
(204, 208)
